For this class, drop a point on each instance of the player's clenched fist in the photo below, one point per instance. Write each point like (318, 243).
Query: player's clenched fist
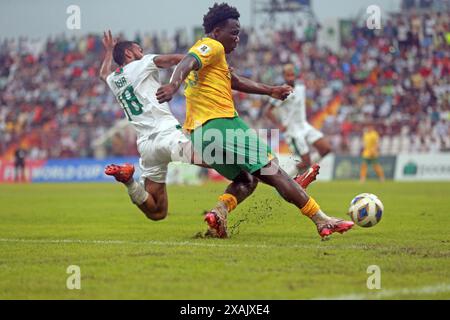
(281, 92)
(165, 93)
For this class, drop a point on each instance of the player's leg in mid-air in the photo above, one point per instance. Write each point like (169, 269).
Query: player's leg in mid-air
(149, 196)
(323, 147)
(304, 172)
(150, 193)
(308, 168)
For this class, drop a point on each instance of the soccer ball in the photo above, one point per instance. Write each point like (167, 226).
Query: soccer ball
(366, 210)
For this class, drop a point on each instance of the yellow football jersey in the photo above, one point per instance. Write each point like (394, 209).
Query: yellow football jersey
(208, 90)
(370, 140)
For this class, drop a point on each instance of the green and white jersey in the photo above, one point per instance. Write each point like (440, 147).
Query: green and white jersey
(292, 111)
(134, 87)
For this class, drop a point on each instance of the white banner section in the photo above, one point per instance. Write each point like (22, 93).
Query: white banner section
(431, 167)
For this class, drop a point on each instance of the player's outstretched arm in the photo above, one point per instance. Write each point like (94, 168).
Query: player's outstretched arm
(108, 43)
(249, 86)
(165, 61)
(166, 92)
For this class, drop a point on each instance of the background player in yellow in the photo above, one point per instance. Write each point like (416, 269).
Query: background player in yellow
(370, 153)
(210, 108)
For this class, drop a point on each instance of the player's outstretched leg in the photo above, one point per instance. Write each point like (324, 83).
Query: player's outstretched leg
(305, 179)
(294, 194)
(123, 173)
(151, 199)
(241, 187)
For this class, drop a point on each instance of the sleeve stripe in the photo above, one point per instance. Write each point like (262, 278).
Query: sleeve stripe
(196, 58)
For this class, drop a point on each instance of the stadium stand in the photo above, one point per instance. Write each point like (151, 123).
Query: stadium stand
(53, 104)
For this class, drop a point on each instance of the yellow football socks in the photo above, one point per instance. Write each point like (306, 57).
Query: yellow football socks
(311, 208)
(229, 200)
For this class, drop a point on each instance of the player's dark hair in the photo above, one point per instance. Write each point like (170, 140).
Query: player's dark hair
(218, 15)
(119, 51)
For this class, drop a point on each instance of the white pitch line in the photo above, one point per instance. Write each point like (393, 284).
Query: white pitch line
(205, 243)
(187, 244)
(378, 294)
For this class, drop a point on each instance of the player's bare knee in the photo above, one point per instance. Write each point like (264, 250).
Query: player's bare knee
(305, 163)
(323, 147)
(324, 151)
(253, 183)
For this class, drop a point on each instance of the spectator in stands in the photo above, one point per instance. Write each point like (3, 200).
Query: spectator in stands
(19, 165)
(370, 153)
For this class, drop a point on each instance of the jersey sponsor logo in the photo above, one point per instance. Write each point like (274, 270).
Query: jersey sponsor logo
(204, 49)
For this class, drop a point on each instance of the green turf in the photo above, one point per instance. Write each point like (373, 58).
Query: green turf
(274, 252)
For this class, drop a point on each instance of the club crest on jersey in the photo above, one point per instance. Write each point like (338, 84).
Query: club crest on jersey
(204, 49)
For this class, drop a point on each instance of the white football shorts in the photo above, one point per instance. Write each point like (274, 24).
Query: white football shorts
(159, 150)
(299, 139)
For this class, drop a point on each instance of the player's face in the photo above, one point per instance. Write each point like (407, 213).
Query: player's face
(135, 52)
(228, 35)
(289, 77)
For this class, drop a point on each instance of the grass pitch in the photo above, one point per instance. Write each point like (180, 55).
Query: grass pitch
(274, 252)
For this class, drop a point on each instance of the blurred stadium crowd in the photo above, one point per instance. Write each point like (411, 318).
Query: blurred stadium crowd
(52, 100)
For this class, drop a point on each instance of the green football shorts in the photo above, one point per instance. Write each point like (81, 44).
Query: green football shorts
(229, 146)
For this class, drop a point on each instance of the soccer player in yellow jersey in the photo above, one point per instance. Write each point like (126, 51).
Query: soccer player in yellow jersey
(370, 153)
(218, 132)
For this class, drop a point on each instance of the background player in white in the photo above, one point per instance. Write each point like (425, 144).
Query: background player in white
(290, 117)
(159, 136)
